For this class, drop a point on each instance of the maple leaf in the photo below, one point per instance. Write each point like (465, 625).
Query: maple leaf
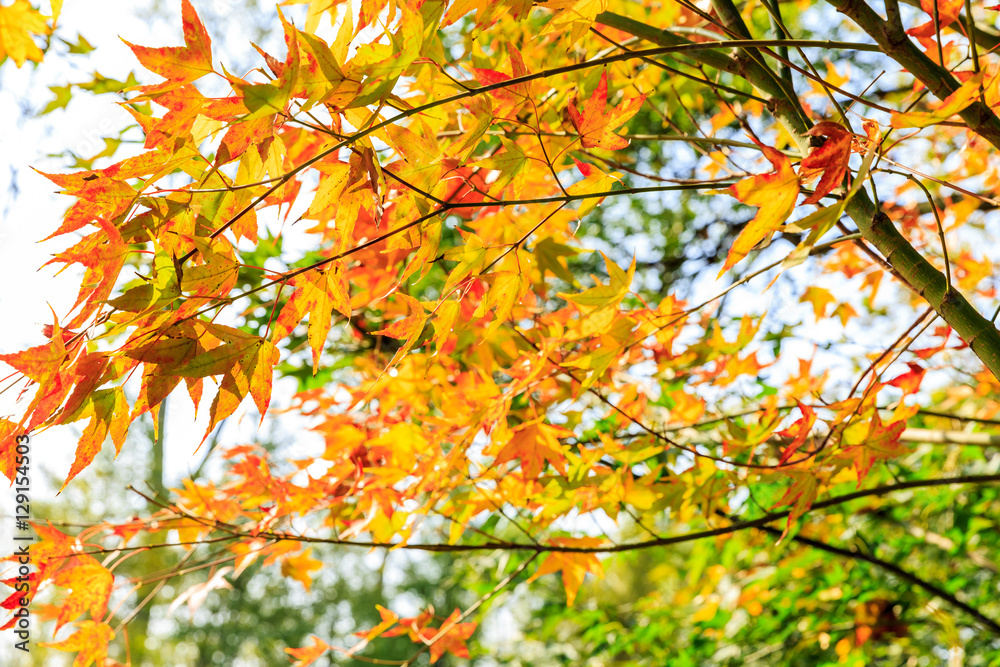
(909, 381)
(108, 410)
(801, 495)
(18, 22)
(605, 296)
(21, 596)
(535, 444)
(596, 125)
(253, 372)
(575, 16)
(179, 64)
(487, 13)
(454, 638)
(381, 64)
(799, 431)
(89, 585)
(318, 294)
(300, 567)
(219, 360)
(820, 298)
(573, 566)
(52, 551)
(389, 619)
(321, 77)
(241, 136)
(965, 95)
(39, 363)
(595, 181)
(549, 253)
(512, 97)
(91, 640)
(307, 655)
(267, 99)
(830, 159)
(481, 109)
(103, 254)
(775, 193)
(408, 328)
(881, 443)
(506, 289)
(216, 275)
(948, 11)
(512, 163)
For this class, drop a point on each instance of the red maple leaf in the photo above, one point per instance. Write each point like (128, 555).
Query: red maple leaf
(909, 381)
(595, 124)
(830, 159)
(948, 11)
(799, 431)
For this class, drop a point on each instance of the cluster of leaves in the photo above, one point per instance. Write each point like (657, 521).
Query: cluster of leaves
(474, 391)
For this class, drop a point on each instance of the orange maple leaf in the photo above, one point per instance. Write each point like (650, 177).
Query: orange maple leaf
(966, 94)
(800, 495)
(89, 585)
(108, 412)
(91, 640)
(317, 293)
(775, 193)
(389, 619)
(830, 159)
(535, 445)
(407, 329)
(595, 124)
(180, 64)
(820, 298)
(38, 363)
(574, 566)
(881, 443)
(454, 638)
(307, 655)
(300, 567)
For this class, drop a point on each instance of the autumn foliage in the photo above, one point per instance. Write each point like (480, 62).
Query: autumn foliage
(456, 168)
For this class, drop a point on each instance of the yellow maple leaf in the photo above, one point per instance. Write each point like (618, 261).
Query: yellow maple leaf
(820, 299)
(775, 193)
(90, 640)
(18, 23)
(604, 296)
(300, 567)
(951, 105)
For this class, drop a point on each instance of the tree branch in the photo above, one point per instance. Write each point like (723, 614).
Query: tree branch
(897, 45)
(978, 332)
(905, 575)
(502, 545)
